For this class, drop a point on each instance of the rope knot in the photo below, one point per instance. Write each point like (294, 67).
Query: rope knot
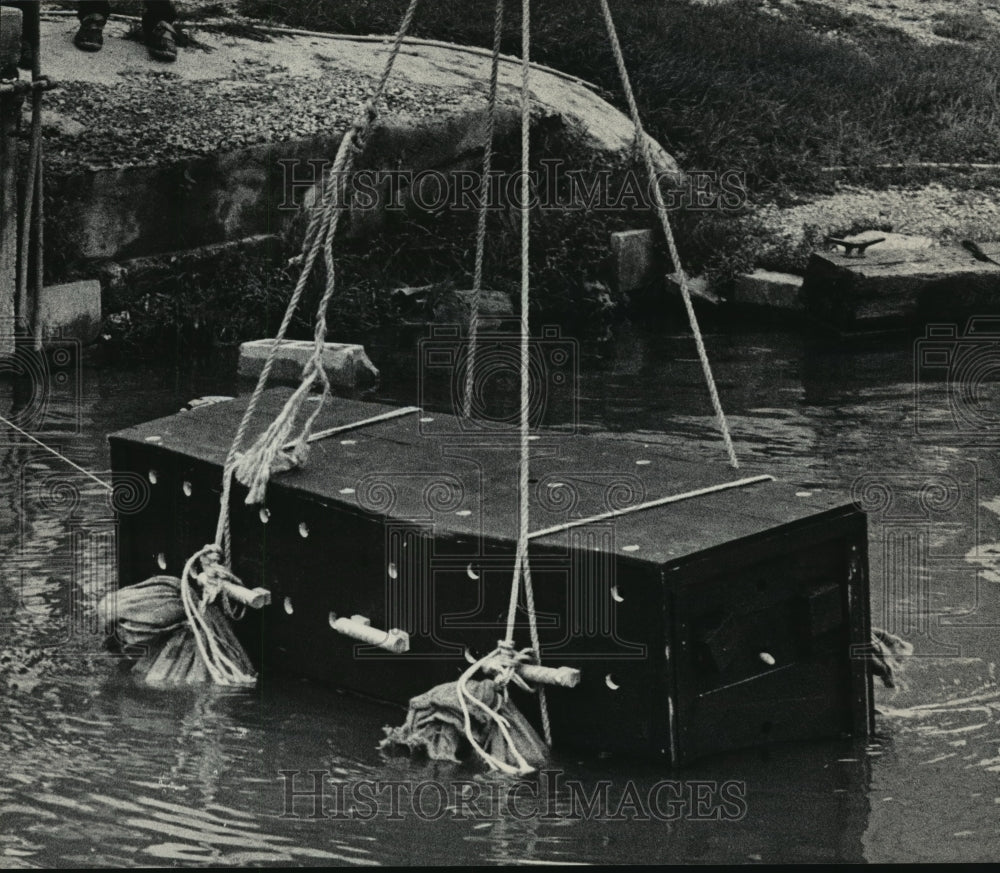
(509, 659)
(210, 575)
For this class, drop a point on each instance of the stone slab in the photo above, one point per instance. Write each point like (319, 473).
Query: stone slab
(894, 286)
(635, 263)
(769, 289)
(71, 311)
(346, 364)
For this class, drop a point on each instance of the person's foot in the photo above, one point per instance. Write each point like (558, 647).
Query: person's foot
(90, 36)
(162, 42)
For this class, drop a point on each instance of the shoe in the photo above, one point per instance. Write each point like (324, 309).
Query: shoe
(162, 42)
(90, 36)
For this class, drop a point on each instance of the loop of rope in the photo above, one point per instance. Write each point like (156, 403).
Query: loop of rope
(643, 142)
(484, 188)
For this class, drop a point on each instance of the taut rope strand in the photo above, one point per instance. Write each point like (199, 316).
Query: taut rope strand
(642, 140)
(484, 189)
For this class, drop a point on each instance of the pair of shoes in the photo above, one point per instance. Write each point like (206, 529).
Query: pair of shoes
(161, 39)
(90, 36)
(162, 42)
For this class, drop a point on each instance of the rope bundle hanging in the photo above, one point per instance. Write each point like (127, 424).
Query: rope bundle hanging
(204, 646)
(268, 454)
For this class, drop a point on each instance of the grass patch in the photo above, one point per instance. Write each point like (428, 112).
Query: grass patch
(964, 26)
(730, 87)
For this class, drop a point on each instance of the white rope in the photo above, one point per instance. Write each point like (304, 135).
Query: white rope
(222, 669)
(484, 190)
(465, 697)
(61, 457)
(522, 566)
(253, 467)
(643, 141)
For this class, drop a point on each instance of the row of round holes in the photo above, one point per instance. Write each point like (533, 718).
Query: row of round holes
(610, 679)
(265, 513)
(391, 570)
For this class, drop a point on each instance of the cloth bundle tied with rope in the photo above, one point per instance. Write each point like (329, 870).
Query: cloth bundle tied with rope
(182, 637)
(492, 725)
(473, 714)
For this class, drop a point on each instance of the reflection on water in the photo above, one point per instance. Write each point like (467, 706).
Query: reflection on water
(100, 772)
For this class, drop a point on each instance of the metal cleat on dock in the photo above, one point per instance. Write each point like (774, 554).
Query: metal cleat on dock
(854, 246)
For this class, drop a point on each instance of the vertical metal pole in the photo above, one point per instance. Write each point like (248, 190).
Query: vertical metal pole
(37, 217)
(10, 106)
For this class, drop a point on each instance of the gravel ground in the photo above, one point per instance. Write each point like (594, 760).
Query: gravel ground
(117, 108)
(153, 117)
(932, 210)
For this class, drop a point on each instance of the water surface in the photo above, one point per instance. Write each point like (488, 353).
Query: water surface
(97, 771)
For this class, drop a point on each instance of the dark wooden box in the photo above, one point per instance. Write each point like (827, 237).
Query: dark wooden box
(722, 621)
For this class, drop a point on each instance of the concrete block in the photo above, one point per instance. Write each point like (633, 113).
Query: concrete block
(347, 366)
(71, 311)
(635, 259)
(10, 38)
(892, 286)
(769, 289)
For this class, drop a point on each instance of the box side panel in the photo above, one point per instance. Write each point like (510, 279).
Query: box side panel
(765, 638)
